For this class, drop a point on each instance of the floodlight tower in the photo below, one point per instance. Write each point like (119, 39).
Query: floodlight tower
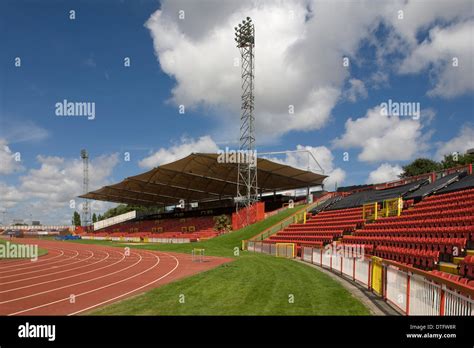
(247, 190)
(86, 215)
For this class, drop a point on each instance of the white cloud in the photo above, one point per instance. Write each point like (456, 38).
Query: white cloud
(175, 152)
(14, 130)
(46, 192)
(462, 142)
(59, 180)
(200, 55)
(8, 159)
(418, 16)
(384, 137)
(385, 172)
(437, 54)
(10, 196)
(325, 159)
(296, 64)
(356, 90)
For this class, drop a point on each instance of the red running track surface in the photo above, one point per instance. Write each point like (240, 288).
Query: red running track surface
(75, 278)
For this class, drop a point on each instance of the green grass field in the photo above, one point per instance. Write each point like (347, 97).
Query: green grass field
(253, 284)
(41, 251)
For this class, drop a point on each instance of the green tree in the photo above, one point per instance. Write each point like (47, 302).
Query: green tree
(455, 160)
(94, 218)
(123, 208)
(222, 223)
(76, 219)
(420, 166)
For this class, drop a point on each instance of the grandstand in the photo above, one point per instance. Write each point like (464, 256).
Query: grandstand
(422, 225)
(197, 188)
(167, 230)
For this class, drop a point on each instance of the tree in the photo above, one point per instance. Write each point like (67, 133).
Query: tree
(123, 208)
(455, 160)
(94, 218)
(76, 219)
(420, 166)
(222, 223)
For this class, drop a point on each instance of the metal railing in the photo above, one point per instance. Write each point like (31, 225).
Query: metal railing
(409, 290)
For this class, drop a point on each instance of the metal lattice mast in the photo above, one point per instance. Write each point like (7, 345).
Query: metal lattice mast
(86, 215)
(247, 190)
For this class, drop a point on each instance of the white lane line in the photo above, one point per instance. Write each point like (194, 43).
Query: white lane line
(35, 262)
(19, 262)
(71, 276)
(66, 270)
(45, 269)
(129, 292)
(68, 286)
(35, 265)
(90, 291)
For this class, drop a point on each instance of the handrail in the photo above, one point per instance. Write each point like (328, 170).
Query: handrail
(444, 284)
(430, 276)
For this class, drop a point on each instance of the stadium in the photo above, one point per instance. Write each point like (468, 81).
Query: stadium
(188, 201)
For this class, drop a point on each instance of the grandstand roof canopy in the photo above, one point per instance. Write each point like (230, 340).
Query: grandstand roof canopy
(200, 177)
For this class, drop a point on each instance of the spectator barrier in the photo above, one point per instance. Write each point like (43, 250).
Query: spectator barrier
(409, 290)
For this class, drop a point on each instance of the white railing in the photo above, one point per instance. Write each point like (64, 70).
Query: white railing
(424, 296)
(316, 256)
(326, 260)
(457, 304)
(336, 262)
(396, 287)
(307, 254)
(348, 267)
(412, 294)
(362, 271)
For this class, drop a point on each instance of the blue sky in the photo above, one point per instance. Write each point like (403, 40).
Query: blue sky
(182, 53)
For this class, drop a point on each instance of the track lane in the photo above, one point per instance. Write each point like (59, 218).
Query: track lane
(99, 281)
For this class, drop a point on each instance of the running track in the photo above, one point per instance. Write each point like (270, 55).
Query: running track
(75, 278)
